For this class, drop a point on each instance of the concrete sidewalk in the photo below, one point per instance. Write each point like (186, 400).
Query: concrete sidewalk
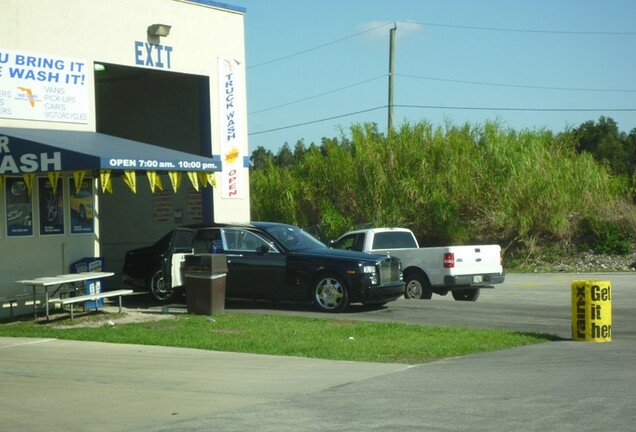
(84, 386)
(87, 386)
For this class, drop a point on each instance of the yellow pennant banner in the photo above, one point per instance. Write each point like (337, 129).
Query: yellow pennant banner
(175, 179)
(152, 175)
(207, 179)
(194, 180)
(211, 179)
(158, 182)
(28, 179)
(105, 181)
(203, 179)
(131, 180)
(155, 180)
(78, 177)
(53, 178)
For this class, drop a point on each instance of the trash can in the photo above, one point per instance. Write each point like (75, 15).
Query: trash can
(205, 276)
(88, 264)
(93, 286)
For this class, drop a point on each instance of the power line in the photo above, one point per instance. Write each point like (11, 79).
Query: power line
(496, 29)
(447, 80)
(316, 96)
(442, 80)
(449, 107)
(315, 48)
(518, 85)
(521, 109)
(512, 30)
(317, 121)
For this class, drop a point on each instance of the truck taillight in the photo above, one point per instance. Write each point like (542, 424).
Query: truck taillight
(449, 260)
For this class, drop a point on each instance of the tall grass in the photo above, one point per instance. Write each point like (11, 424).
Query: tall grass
(449, 184)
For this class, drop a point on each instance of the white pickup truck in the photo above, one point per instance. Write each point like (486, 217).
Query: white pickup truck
(462, 270)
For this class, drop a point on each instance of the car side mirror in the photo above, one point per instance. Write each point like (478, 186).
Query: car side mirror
(262, 249)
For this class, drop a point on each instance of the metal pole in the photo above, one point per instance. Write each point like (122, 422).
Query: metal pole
(391, 64)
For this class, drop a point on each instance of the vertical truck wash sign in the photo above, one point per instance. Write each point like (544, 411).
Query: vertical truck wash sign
(591, 311)
(231, 126)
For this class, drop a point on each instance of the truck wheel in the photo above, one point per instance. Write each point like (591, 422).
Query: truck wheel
(158, 287)
(417, 287)
(330, 294)
(471, 294)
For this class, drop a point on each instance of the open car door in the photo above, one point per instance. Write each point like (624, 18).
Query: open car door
(181, 245)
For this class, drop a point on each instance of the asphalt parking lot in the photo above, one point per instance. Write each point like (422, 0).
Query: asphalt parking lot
(556, 386)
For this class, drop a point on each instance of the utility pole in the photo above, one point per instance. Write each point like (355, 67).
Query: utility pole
(391, 75)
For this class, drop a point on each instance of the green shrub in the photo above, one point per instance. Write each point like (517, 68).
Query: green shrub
(606, 237)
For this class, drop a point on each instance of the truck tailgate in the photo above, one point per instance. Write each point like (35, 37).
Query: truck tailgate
(475, 260)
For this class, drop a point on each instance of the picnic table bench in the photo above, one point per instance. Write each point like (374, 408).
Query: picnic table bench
(65, 279)
(92, 297)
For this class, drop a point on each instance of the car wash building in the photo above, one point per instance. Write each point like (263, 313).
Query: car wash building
(119, 120)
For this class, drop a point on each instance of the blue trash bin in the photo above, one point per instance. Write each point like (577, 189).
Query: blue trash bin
(92, 286)
(88, 264)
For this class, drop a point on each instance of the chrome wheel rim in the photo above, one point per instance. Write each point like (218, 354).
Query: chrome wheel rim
(158, 287)
(329, 293)
(414, 290)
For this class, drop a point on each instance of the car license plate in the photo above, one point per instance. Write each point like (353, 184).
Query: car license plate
(477, 279)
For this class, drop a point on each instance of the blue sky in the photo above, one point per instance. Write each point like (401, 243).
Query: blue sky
(544, 64)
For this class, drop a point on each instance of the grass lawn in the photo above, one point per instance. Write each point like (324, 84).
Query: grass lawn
(325, 338)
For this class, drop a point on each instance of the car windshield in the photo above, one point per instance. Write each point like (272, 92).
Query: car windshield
(295, 239)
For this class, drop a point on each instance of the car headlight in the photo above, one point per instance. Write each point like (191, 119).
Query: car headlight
(371, 273)
(368, 269)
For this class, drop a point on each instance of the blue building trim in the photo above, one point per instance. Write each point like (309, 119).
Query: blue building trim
(220, 5)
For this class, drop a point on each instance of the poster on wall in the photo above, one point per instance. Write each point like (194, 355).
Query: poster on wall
(194, 205)
(19, 216)
(51, 205)
(43, 87)
(162, 206)
(81, 204)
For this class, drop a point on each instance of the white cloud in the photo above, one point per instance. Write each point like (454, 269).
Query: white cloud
(408, 28)
(379, 30)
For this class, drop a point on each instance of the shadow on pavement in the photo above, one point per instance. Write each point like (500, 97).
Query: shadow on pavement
(146, 301)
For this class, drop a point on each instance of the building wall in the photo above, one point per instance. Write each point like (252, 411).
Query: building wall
(115, 32)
